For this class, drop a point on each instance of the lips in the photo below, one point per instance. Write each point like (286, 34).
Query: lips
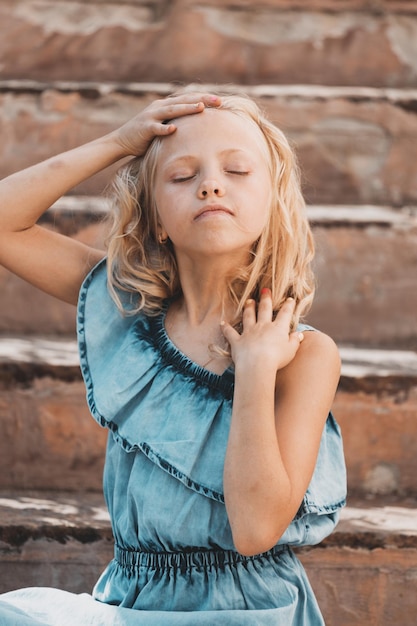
(212, 208)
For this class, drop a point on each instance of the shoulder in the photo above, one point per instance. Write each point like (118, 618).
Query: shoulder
(318, 345)
(316, 363)
(317, 342)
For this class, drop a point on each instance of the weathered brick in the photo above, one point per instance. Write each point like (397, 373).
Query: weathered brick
(366, 284)
(53, 539)
(351, 42)
(49, 439)
(359, 586)
(380, 434)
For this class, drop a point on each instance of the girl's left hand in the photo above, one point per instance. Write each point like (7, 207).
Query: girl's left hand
(265, 342)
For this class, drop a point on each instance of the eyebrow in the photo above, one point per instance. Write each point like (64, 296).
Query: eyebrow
(191, 157)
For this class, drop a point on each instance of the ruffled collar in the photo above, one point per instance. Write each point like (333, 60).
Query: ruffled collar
(179, 361)
(154, 398)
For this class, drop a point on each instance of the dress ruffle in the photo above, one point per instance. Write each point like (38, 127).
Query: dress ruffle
(123, 358)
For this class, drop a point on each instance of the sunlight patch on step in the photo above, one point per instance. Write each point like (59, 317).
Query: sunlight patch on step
(39, 505)
(54, 352)
(388, 518)
(77, 19)
(63, 512)
(366, 362)
(356, 362)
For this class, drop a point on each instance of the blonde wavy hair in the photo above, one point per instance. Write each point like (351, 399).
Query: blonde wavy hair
(280, 258)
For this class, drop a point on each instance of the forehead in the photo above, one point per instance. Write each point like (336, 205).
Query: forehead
(218, 130)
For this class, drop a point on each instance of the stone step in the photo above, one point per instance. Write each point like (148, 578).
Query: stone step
(366, 261)
(366, 42)
(356, 145)
(49, 439)
(364, 573)
(51, 442)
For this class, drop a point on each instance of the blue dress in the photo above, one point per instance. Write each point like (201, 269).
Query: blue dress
(174, 560)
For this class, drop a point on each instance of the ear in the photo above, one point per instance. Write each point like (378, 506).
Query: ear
(162, 236)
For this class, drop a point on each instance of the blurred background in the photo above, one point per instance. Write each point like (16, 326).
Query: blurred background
(339, 77)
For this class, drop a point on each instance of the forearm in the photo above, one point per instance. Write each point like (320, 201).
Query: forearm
(256, 484)
(283, 394)
(26, 195)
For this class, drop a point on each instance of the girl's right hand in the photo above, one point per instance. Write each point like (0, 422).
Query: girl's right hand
(135, 136)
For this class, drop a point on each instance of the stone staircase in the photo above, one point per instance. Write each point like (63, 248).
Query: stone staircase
(340, 78)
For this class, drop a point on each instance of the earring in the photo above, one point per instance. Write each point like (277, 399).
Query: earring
(161, 239)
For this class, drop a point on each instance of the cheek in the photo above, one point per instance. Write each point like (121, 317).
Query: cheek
(260, 223)
(169, 217)
(261, 209)
(164, 206)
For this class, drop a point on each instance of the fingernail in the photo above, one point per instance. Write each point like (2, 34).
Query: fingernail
(300, 337)
(265, 291)
(214, 98)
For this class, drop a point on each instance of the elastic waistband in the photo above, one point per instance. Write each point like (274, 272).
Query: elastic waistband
(133, 559)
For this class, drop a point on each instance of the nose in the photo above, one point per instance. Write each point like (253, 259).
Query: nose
(210, 187)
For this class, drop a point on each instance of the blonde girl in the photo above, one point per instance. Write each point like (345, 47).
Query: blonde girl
(222, 452)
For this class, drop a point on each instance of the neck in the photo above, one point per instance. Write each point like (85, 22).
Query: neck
(205, 294)
(193, 321)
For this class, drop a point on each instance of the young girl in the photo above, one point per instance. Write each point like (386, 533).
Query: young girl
(222, 453)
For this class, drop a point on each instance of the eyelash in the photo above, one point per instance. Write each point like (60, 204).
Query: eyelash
(184, 179)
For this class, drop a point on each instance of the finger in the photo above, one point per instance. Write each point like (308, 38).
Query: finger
(160, 129)
(265, 310)
(249, 314)
(295, 339)
(286, 312)
(180, 106)
(191, 97)
(163, 115)
(229, 333)
(211, 100)
(173, 111)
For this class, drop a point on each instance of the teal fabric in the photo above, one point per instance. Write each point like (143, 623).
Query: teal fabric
(174, 561)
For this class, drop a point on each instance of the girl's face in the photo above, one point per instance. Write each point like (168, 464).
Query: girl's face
(213, 185)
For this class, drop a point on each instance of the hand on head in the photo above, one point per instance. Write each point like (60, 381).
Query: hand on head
(136, 135)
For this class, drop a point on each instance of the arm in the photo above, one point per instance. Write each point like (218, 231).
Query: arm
(283, 393)
(55, 263)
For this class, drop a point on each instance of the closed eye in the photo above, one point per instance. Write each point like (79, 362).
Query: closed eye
(238, 172)
(182, 179)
